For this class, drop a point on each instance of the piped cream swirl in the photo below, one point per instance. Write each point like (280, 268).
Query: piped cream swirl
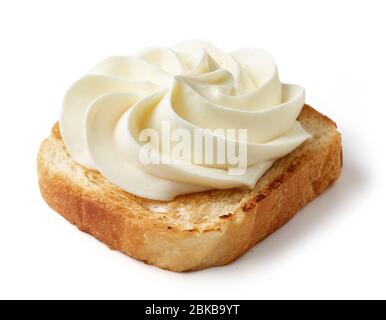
(193, 86)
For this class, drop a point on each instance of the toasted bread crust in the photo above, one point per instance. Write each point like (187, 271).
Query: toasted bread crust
(119, 220)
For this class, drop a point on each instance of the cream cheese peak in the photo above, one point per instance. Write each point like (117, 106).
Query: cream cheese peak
(192, 86)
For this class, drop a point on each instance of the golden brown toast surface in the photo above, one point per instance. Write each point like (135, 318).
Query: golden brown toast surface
(198, 230)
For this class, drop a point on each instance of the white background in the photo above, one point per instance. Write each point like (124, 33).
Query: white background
(334, 248)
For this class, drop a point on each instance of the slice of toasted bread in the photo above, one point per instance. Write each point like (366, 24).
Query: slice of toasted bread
(199, 230)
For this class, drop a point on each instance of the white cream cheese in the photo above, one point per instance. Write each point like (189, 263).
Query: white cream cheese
(193, 86)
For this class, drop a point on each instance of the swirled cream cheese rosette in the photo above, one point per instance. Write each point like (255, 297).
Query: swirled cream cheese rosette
(193, 87)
